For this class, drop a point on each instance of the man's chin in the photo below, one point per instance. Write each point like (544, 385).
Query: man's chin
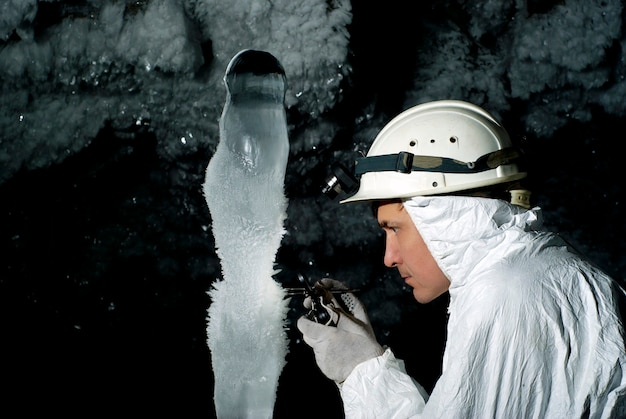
(425, 296)
(422, 297)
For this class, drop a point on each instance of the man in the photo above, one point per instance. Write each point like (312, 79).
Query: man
(534, 330)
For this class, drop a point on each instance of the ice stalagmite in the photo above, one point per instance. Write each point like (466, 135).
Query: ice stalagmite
(244, 190)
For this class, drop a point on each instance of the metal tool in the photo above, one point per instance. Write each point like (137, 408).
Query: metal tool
(324, 308)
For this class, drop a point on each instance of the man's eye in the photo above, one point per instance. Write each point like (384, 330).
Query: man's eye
(391, 229)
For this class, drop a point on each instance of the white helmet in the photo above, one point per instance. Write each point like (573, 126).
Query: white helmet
(434, 148)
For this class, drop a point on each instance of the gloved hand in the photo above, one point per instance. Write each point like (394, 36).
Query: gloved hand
(339, 349)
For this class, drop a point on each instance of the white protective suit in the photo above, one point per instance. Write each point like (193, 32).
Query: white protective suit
(533, 329)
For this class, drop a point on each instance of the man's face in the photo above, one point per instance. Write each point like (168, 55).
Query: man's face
(405, 250)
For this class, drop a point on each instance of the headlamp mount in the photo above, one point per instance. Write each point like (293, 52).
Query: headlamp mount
(344, 179)
(341, 179)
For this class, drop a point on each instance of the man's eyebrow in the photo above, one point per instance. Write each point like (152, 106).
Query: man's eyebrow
(383, 224)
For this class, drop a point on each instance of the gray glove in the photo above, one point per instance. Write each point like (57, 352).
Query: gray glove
(339, 349)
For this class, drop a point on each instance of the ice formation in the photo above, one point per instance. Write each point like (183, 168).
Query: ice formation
(244, 192)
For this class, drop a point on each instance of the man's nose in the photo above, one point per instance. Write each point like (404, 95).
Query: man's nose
(391, 255)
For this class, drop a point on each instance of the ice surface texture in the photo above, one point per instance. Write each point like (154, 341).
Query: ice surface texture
(244, 189)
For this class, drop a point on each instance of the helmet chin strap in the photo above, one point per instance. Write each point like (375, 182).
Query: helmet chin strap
(405, 162)
(520, 197)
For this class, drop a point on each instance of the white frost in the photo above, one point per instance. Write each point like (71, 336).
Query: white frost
(244, 191)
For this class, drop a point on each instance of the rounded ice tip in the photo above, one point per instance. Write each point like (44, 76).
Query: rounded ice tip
(255, 62)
